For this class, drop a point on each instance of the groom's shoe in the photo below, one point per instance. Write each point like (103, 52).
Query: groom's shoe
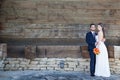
(92, 75)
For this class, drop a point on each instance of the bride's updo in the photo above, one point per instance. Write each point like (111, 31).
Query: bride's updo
(102, 28)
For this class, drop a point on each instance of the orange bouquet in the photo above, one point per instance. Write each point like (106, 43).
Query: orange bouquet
(96, 51)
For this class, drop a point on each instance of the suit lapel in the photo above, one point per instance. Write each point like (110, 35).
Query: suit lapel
(91, 34)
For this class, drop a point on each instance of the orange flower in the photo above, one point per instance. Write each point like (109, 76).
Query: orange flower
(96, 51)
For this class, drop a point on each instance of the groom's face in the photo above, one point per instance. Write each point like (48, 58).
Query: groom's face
(92, 28)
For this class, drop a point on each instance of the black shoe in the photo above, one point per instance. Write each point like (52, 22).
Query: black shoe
(92, 75)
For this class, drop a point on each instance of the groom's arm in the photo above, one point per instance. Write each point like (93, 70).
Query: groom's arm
(88, 39)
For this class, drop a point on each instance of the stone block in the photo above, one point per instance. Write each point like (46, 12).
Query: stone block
(24, 63)
(84, 63)
(51, 62)
(33, 67)
(44, 68)
(27, 61)
(117, 52)
(53, 66)
(71, 59)
(34, 62)
(68, 69)
(37, 59)
(14, 62)
(78, 69)
(6, 62)
(17, 65)
(2, 65)
(83, 59)
(6, 69)
(72, 63)
(111, 59)
(43, 63)
(87, 70)
(13, 69)
(20, 68)
(11, 59)
(50, 68)
(8, 66)
(3, 50)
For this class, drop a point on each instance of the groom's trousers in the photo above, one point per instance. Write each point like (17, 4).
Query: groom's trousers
(92, 62)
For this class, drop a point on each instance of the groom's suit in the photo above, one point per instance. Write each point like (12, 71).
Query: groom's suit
(90, 39)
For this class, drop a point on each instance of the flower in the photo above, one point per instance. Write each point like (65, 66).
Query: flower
(96, 51)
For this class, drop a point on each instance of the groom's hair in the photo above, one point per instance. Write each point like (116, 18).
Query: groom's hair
(91, 25)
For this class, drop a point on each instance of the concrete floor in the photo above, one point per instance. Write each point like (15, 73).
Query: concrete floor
(51, 75)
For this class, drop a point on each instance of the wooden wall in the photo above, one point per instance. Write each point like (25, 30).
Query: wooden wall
(51, 18)
(57, 22)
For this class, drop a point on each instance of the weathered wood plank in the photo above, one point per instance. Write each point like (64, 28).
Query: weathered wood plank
(31, 18)
(64, 4)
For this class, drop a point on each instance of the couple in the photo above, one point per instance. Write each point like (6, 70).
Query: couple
(99, 64)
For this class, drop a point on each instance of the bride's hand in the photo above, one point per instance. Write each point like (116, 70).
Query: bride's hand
(103, 40)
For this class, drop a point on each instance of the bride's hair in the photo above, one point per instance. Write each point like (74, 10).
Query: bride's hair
(102, 29)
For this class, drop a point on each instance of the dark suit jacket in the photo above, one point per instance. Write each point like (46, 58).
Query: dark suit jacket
(90, 40)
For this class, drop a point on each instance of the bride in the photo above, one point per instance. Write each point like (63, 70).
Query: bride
(102, 62)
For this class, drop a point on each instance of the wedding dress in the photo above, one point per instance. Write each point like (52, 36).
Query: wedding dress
(102, 62)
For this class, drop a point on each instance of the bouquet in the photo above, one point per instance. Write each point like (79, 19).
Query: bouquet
(96, 51)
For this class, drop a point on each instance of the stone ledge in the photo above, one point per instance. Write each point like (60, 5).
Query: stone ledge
(71, 64)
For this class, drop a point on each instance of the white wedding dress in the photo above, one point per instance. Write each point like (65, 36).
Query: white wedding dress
(102, 62)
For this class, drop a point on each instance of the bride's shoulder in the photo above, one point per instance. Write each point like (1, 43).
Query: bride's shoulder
(100, 32)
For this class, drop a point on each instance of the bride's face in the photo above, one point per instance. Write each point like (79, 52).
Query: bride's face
(99, 28)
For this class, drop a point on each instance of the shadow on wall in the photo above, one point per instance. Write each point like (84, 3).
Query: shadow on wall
(52, 51)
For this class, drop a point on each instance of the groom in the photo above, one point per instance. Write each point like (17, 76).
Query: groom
(90, 39)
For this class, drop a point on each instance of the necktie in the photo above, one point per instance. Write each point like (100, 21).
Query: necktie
(94, 34)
